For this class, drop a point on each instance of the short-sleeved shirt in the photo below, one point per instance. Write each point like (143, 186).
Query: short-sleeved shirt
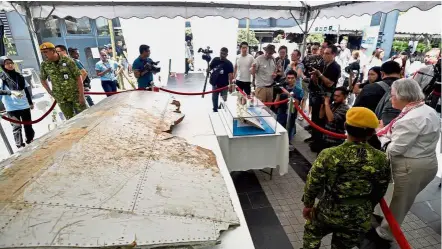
(13, 103)
(145, 80)
(79, 64)
(225, 67)
(264, 70)
(243, 65)
(63, 75)
(331, 72)
(103, 66)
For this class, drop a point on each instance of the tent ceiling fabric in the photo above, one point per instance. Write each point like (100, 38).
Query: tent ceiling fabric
(371, 7)
(252, 10)
(226, 9)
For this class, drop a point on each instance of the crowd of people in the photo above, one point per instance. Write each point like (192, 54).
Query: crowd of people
(389, 118)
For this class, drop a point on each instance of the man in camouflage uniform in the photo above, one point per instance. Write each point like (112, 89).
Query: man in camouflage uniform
(349, 181)
(67, 85)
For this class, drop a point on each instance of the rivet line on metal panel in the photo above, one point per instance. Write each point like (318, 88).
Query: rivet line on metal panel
(144, 175)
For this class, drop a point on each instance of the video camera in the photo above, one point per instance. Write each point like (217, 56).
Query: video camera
(354, 66)
(206, 53)
(151, 66)
(313, 62)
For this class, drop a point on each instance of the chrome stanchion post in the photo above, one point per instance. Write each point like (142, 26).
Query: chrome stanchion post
(5, 140)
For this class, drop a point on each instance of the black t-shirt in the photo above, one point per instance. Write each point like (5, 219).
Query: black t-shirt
(224, 68)
(284, 64)
(331, 72)
(371, 94)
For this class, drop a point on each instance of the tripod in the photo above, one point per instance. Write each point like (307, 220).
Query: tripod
(207, 77)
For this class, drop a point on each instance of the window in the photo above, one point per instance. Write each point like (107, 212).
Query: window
(103, 26)
(48, 28)
(78, 26)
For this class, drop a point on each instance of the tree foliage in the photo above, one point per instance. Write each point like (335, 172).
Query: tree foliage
(315, 38)
(10, 47)
(242, 37)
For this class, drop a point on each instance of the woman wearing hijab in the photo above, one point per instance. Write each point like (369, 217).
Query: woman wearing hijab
(374, 75)
(16, 99)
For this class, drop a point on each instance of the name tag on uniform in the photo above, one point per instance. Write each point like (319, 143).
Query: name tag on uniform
(66, 76)
(64, 64)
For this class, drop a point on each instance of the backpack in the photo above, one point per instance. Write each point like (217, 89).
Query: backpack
(384, 110)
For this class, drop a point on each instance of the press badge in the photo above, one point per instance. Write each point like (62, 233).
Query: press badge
(66, 76)
(221, 71)
(64, 64)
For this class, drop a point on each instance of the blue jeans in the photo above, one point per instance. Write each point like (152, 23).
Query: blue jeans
(215, 97)
(109, 86)
(282, 117)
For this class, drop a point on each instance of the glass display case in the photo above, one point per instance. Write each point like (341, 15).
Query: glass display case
(247, 117)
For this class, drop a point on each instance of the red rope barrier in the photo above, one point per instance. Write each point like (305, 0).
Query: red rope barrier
(31, 122)
(277, 102)
(199, 93)
(394, 226)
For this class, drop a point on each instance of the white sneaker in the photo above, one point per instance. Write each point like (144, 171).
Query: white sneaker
(291, 147)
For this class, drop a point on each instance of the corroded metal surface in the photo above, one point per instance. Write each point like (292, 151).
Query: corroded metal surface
(114, 176)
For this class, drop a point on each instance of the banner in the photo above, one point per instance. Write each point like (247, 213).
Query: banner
(370, 39)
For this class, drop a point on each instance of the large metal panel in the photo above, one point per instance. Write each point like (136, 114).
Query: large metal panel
(114, 176)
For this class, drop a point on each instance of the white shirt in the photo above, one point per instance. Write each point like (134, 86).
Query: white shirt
(416, 134)
(243, 65)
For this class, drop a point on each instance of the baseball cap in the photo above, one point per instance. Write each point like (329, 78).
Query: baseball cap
(364, 46)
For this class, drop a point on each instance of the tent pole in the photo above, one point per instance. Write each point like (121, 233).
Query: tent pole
(5, 140)
(112, 36)
(247, 30)
(304, 38)
(33, 35)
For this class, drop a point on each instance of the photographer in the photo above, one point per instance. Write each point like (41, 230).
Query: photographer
(142, 68)
(334, 114)
(221, 76)
(323, 82)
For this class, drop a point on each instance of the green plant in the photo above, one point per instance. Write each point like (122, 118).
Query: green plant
(10, 47)
(315, 38)
(400, 45)
(422, 47)
(242, 37)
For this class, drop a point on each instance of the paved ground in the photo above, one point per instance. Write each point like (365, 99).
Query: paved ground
(273, 208)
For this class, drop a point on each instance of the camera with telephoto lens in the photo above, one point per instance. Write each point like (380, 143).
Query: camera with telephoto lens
(313, 62)
(206, 53)
(151, 66)
(354, 66)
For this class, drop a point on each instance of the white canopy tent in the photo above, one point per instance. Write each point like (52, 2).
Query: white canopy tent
(299, 10)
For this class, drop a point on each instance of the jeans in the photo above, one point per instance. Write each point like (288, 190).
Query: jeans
(109, 86)
(317, 101)
(290, 125)
(21, 115)
(215, 97)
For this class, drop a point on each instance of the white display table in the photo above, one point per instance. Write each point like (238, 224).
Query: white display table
(251, 152)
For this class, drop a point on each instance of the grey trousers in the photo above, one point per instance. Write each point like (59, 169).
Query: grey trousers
(411, 176)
